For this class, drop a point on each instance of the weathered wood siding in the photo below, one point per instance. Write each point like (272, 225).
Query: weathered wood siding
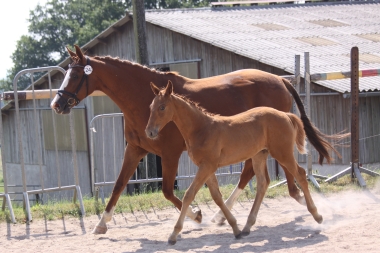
(331, 114)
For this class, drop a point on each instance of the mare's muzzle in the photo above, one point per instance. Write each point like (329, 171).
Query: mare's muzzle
(64, 104)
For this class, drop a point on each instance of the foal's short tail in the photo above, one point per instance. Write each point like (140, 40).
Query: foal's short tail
(300, 133)
(316, 137)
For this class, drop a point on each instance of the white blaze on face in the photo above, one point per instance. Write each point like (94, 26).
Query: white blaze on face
(63, 86)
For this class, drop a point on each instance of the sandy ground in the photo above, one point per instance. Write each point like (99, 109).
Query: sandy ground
(351, 224)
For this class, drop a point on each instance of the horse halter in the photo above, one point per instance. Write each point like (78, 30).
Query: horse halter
(73, 100)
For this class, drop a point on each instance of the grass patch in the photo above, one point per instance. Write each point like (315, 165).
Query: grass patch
(152, 201)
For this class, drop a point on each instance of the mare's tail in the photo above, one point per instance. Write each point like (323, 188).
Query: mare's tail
(316, 137)
(300, 132)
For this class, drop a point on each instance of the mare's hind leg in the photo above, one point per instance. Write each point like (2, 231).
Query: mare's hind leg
(132, 156)
(246, 175)
(263, 180)
(300, 175)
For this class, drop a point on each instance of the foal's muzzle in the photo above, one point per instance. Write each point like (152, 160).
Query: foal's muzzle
(151, 132)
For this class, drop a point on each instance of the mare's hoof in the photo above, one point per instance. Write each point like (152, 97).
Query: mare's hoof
(198, 218)
(245, 233)
(171, 242)
(99, 230)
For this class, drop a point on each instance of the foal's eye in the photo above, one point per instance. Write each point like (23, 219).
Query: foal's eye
(162, 107)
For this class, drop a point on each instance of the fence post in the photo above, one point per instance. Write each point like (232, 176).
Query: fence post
(308, 112)
(5, 195)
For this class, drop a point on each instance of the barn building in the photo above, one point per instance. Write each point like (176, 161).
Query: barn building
(206, 42)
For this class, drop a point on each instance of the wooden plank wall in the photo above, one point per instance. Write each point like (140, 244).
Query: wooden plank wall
(329, 113)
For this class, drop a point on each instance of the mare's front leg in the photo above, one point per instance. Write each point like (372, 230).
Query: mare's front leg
(246, 175)
(263, 180)
(132, 156)
(169, 171)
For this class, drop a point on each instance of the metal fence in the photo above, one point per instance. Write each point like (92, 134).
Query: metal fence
(105, 171)
(29, 135)
(106, 154)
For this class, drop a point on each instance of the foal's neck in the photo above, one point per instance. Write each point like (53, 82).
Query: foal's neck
(189, 118)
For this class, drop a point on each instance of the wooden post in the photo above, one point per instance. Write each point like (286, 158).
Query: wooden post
(308, 112)
(139, 28)
(355, 117)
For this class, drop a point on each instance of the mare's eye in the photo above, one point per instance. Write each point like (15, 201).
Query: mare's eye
(162, 107)
(74, 76)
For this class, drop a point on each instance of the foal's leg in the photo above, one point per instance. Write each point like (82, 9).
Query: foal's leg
(213, 186)
(200, 178)
(300, 175)
(294, 192)
(246, 175)
(169, 169)
(263, 180)
(132, 156)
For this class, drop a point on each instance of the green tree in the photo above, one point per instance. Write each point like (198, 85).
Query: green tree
(60, 23)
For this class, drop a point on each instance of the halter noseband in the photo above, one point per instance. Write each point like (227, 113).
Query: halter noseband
(73, 100)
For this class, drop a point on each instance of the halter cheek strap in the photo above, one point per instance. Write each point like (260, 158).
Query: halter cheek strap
(73, 99)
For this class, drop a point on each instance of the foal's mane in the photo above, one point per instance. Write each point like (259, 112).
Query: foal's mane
(119, 61)
(194, 104)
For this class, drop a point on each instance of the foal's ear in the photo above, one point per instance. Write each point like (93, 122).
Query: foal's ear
(80, 55)
(71, 53)
(169, 88)
(155, 89)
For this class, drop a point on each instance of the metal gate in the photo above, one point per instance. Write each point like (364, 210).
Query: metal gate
(29, 136)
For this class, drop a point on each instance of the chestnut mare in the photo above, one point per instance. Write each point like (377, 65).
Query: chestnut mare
(214, 141)
(126, 83)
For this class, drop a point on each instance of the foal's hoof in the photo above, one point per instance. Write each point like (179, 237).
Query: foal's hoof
(198, 218)
(301, 200)
(238, 236)
(319, 219)
(172, 242)
(245, 233)
(218, 219)
(99, 230)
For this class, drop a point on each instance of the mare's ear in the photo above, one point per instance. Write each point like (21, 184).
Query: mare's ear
(71, 53)
(155, 89)
(169, 88)
(80, 55)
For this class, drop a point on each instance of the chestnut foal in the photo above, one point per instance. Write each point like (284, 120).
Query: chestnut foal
(214, 141)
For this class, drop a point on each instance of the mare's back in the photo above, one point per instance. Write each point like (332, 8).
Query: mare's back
(238, 91)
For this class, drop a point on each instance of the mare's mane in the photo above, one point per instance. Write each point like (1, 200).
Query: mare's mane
(194, 104)
(119, 61)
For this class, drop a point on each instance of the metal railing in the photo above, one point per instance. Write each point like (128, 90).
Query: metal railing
(38, 147)
(105, 170)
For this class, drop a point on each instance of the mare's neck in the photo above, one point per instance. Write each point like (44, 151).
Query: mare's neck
(189, 119)
(127, 84)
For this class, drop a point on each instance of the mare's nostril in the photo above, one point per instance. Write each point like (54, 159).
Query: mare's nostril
(55, 105)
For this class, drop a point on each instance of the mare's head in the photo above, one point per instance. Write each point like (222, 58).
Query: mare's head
(161, 110)
(76, 85)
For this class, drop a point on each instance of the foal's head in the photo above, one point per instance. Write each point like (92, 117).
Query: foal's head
(161, 110)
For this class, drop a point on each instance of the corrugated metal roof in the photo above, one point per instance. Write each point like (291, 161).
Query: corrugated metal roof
(275, 34)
